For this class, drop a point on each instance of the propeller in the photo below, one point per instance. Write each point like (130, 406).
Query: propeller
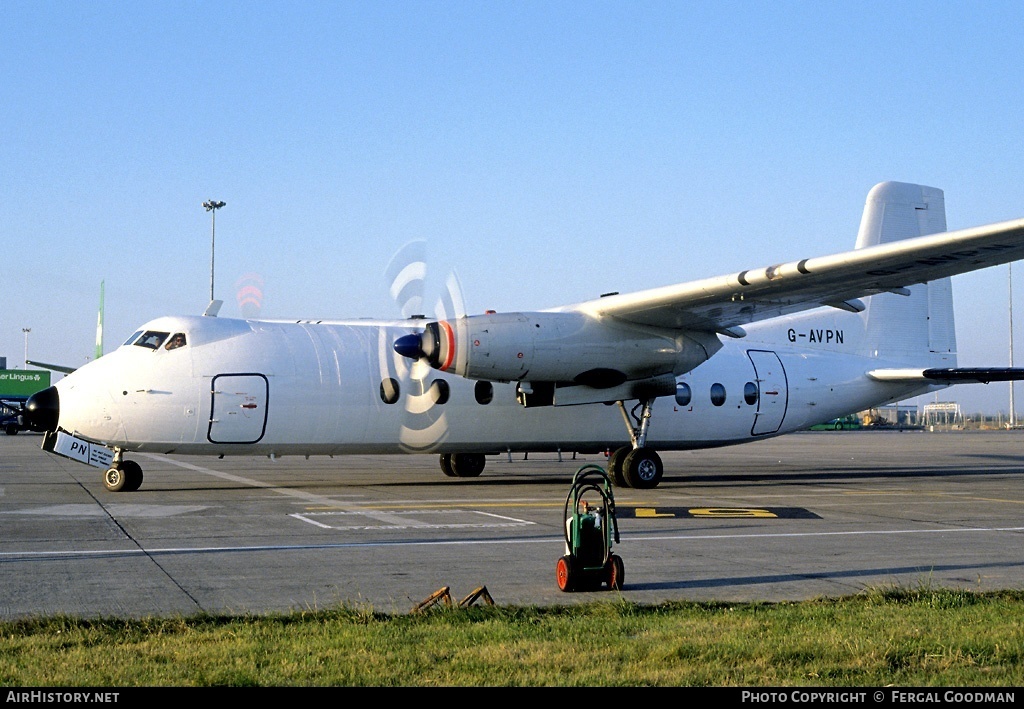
(407, 377)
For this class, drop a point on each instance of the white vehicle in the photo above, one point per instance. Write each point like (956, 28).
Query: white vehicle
(725, 360)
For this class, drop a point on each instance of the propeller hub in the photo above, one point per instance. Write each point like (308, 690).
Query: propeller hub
(409, 346)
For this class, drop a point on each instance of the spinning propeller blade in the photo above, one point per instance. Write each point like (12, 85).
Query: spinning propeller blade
(406, 376)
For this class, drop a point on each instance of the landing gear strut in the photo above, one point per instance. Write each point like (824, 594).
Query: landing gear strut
(636, 466)
(123, 475)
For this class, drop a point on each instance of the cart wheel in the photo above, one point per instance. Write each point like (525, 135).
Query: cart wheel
(616, 572)
(565, 573)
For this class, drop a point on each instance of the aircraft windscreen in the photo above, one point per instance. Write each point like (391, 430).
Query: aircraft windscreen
(151, 339)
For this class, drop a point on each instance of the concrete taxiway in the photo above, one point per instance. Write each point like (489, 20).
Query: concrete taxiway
(798, 517)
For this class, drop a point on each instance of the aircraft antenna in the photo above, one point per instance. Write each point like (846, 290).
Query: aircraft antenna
(212, 206)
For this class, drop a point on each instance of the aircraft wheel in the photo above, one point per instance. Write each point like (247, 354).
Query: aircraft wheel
(114, 479)
(446, 465)
(133, 475)
(468, 465)
(643, 469)
(615, 462)
(124, 477)
(565, 574)
(616, 572)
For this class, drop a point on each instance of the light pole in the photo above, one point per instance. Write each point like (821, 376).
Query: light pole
(1013, 408)
(212, 207)
(26, 330)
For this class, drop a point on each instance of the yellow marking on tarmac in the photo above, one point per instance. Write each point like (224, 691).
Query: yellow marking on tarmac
(647, 512)
(729, 512)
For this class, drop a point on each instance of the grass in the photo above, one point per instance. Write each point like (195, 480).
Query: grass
(899, 637)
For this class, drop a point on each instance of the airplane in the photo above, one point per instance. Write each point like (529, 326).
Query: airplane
(731, 359)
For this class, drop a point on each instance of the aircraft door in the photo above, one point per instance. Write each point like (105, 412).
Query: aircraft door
(238, 411)
(772, 391)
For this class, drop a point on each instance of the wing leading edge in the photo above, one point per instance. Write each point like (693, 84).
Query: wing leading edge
(52, 367)
(724, 303)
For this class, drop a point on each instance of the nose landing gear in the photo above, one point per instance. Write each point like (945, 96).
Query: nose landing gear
(123, 475)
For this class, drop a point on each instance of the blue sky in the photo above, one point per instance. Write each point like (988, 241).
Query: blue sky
(548, 152)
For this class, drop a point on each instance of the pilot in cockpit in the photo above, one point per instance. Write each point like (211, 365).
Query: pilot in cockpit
(176, 341)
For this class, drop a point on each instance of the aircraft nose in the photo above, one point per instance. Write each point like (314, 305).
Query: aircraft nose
(42, 410)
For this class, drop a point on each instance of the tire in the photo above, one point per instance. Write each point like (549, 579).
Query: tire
(12, 429)
(114, 479)
(615, 463)
(643, 469)
(468, 465)
(446, 465)
(616, 572)
(133, 475)
(565, 574)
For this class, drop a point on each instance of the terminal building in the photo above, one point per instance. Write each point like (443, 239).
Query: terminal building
(16, 386)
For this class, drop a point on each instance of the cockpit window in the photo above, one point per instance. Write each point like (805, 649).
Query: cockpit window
(177, 340)
(151, 339)
(133, 338)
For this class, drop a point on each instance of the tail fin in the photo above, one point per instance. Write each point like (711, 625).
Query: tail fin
(917, 328)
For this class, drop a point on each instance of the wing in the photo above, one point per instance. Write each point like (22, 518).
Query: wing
(724, 303)
(52, 367)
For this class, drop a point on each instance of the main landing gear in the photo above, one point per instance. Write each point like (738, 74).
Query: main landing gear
(636, 466)
(123, 475)
(462, 465)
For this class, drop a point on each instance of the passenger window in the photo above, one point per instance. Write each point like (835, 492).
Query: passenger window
(177, 340)
(717, 394)
(439, 391)
(750, 393)
(484, 392)
(683, 394)
(151, 339)
(389, 390)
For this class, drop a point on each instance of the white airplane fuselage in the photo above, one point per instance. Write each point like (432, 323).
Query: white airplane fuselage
(304, 388)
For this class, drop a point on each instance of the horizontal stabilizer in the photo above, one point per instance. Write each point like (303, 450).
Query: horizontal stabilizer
(957, 375)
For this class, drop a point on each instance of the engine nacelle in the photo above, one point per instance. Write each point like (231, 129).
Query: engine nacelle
(563, 347)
